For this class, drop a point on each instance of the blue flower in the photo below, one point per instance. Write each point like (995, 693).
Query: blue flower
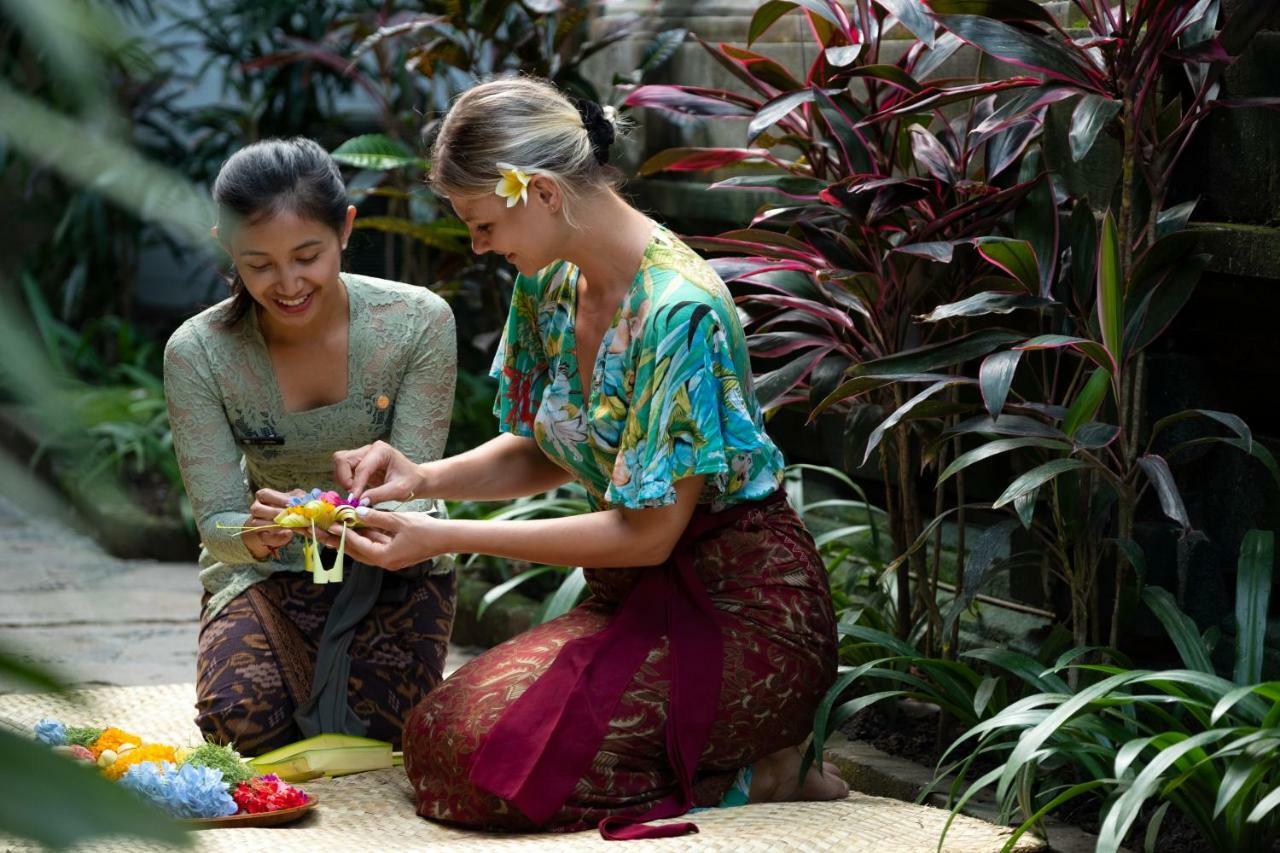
(51, 732)
(189, 791)
(148, 778)
(197, 791)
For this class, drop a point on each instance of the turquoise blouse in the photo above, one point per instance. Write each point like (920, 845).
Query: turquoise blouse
(671, 389)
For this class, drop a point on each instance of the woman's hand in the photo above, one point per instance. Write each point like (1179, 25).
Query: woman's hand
(387, 473)
(266, 506)
(393, 540)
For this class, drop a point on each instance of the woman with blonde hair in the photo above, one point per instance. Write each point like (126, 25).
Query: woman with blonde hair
(691, 673)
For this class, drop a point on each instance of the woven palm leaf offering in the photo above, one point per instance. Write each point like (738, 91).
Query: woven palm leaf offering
(317, 510)
(209, 784)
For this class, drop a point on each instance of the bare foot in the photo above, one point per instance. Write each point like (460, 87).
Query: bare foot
(775, 779)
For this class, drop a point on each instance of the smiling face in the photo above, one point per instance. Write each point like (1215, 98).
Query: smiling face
(528, 234)
(290, 265)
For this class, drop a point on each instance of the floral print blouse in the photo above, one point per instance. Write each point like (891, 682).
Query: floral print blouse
(671, 391)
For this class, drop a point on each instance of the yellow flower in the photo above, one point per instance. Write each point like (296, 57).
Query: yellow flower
(111, 738)
(514, 185)
(146, 752)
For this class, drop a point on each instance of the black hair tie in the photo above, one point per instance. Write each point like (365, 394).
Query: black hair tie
(599, 129)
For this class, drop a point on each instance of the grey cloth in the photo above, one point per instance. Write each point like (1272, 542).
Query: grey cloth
(327, 709)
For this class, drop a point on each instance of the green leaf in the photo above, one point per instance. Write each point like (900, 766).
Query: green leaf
(774, 384)
(936, 356)
(1016, 257)
(890, 422)
(1232, 422)
(988, 302)
(1087, 401)
(1182, 631)
(993, 448)
(1090, 116)
(1084, 250)
(1001, 10)
(1110, 291)
(1037, 221)
(982, 697)
(913, 15)
(940, 251)
(787, 185)
(765, 17)
(565, 597)
(1167, 299)
(1025, 506)
(1264, 807)
(1133, 554)
(378, 152)
(1157, 471)
(1035, 478)
(506, 586)
(843, 55)
(994, 378)
(59, 803)
(775, 110)
(982, 558)
(1035, 52)
(1253, 593)
(889, 74)
(1013, 425)
(840, 116)
(1094, 351)
(1126, 809)
(443, 234)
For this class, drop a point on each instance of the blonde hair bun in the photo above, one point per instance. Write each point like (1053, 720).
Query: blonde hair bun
(529, 123)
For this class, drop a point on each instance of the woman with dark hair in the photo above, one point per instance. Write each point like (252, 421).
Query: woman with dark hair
(690, 675)
(262, 388)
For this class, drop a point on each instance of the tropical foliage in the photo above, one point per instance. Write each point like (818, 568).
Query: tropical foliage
(927, 222)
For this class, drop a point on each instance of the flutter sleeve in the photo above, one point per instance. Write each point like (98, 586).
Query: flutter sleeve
(687, 411)
(208, 456)
(520, 365)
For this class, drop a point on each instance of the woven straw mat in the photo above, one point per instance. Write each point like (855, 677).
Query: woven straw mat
(374, 811)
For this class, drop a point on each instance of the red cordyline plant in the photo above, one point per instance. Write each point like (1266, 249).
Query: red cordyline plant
(908, 198)
(882, 169)
(1148, 74)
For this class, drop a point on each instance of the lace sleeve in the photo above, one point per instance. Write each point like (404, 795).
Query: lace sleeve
(206, 448)
(424, 405)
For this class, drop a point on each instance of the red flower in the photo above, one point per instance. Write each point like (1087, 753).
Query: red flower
(267, 794)
(520, 393)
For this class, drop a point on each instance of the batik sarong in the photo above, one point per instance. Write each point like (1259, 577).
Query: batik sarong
(257, 655)
(770, 593)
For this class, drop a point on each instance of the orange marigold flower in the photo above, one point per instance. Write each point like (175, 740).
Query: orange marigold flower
(111, 738)
(146, 752)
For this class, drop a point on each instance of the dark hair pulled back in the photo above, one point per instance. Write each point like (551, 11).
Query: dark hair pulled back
(267, 178)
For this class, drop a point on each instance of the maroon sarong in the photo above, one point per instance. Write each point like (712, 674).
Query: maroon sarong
(547, 738)
(757, 570)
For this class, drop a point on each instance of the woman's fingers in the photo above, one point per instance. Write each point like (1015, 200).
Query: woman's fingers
(345, 463)
(375, 518)
(371, 466)
(393, 490)
(364, 549)
(273, 498)
(261, 513)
